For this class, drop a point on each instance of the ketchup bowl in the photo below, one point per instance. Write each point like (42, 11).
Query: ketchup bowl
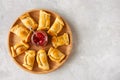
(39, 38)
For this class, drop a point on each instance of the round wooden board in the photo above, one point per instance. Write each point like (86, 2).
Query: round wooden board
(13, 39)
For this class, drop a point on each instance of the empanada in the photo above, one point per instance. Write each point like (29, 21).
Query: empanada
(19, 48)
(60, 40)
(42, 60)
(28, 21)
(29, 59)
(55, 55)
(56, 27)
(21, 32)
(44, 20)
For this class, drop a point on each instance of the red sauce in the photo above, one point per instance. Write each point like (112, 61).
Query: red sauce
(39, 38)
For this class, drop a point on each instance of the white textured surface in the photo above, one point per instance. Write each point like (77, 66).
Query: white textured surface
(96, 30)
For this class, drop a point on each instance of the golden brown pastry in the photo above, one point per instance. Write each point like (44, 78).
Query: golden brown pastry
(21, 32)
(28, 21)
(44, 20)
(55, 55)
(61, 40)
(29, 59)
(42, 60)
(56, 27)
(19, 48)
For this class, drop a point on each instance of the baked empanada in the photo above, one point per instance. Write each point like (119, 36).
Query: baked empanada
(55, 55)
(28, 21)
(19, 48)
(21, 32)
(61, 40)
(42, 60)
(29, 59)
(56, 27)
(44, 20)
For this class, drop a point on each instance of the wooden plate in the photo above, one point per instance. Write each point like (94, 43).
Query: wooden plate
(13, 39)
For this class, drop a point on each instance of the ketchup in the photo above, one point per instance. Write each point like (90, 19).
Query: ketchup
(39, 38)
